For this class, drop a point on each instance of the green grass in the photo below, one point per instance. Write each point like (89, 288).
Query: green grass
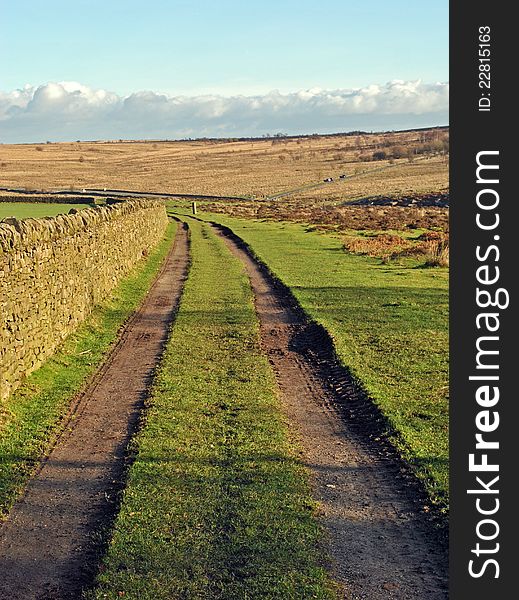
(217, 505)
(31, 417)
(390, 328)
(36, 210)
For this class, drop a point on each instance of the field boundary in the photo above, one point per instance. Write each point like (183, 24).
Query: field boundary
(55, 270)
(103, 192)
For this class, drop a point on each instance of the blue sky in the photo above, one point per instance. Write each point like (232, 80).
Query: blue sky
(221, 47)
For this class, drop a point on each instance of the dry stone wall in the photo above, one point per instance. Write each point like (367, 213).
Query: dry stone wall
(54, 270)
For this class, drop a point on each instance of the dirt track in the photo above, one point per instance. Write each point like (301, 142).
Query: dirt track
(381, 544)
(49, 545)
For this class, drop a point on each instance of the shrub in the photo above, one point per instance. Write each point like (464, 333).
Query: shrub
(384, 245)
(398, 152)
(437, 253)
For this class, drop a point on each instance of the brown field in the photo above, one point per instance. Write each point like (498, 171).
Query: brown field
(392, 164)
(421, 176)
(255, 168)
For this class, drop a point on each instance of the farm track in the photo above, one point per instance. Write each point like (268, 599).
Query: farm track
(320, 184)
(51, 542)
(103, 192)
(382, 544)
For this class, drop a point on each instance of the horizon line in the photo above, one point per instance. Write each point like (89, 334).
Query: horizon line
(275, 136)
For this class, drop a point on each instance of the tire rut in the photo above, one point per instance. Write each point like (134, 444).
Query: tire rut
(51, 542)
(381, 543)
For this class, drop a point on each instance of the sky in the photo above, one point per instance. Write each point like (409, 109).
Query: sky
(177, 68)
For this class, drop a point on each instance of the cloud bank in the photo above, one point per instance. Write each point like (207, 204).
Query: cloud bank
(69, 111)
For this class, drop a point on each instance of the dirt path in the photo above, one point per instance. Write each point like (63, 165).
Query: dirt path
(381, 545)
(50, 544)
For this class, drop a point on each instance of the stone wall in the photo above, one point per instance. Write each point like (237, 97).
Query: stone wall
(54, 270)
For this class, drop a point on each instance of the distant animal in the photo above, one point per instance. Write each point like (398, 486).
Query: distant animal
(328, 180)
(343, 176)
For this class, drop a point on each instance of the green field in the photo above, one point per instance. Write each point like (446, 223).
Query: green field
(389, 323)
(216, 505)
(30, 419)
(35, 210)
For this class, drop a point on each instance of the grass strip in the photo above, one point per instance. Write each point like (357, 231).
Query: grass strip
(31, 417)
(217, 505)
(36, 210)
(389, 324)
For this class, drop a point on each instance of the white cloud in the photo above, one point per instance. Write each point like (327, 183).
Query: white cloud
(69, 110)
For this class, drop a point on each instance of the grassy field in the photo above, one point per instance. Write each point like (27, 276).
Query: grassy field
(216, 505)
(30, 419)
(35, 210)
(390, 327)
(228, 167)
